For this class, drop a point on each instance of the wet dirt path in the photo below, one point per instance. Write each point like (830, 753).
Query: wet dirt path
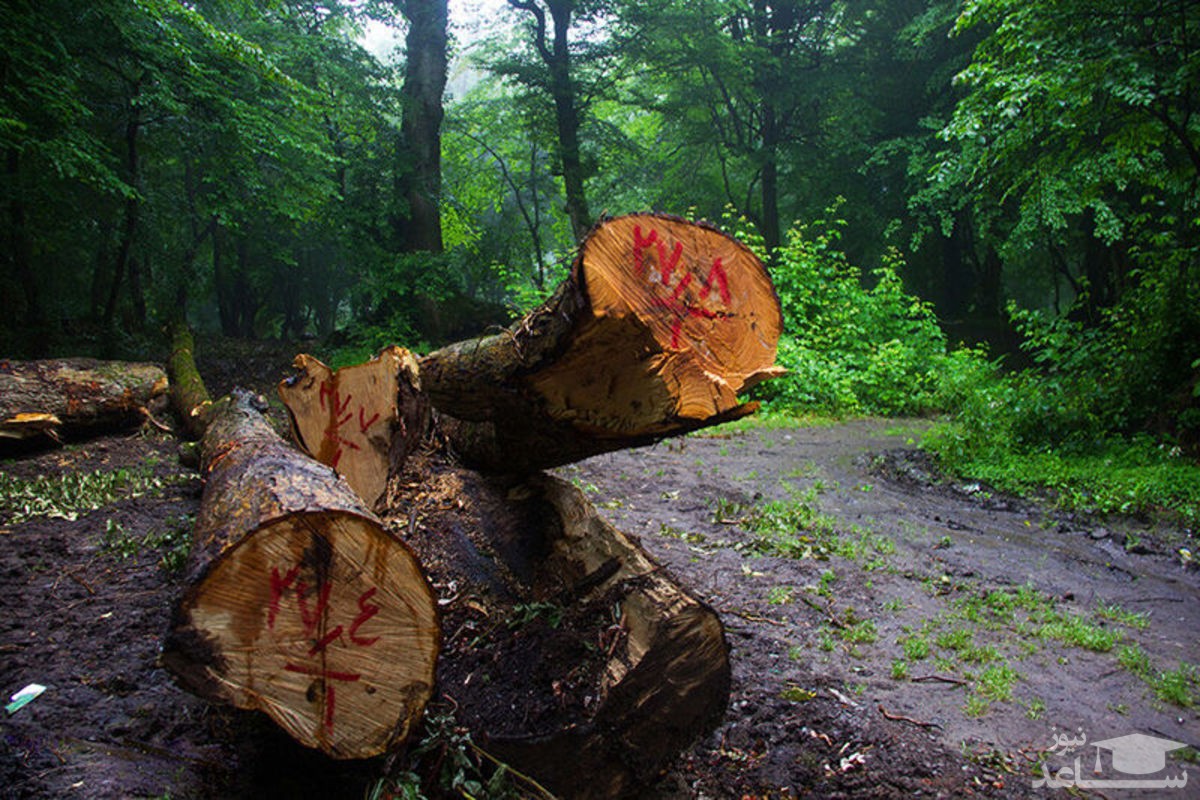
(984, 623)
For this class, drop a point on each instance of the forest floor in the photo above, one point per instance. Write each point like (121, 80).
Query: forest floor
(893, 633)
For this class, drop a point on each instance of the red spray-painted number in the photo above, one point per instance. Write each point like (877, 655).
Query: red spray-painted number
(312, 606)
(667, 261)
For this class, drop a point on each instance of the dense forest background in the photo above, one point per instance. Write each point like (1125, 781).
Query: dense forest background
(984, 207)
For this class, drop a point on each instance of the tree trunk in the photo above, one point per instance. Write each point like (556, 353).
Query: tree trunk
(74, 396)
(297, 601)
(420, 170)
(189, 396)
(659, 327)
(571, 655)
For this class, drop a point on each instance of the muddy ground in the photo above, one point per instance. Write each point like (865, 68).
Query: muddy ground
(897, 634)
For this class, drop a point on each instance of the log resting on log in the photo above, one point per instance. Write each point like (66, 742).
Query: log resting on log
(660, 325)
(69, 396)
(362, 420)
(628, 672)
(297, 601)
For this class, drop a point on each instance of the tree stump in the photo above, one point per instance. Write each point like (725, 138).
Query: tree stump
(362, 420)
(75, 396)
(298, 602)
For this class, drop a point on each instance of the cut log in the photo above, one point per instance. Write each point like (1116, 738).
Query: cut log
(189, 395)
(71, 396)
(661, 324)
(297, 601)
(570, 654)
(362, 420)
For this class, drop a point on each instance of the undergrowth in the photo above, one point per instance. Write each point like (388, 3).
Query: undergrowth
(71, 494)
(1090, 425)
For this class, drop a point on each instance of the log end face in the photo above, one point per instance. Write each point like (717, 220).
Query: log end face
(683, 319)
(322, 621)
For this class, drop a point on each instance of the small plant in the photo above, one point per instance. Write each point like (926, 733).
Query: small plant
(1036, 708)
(860, 632)
(899, 669)
(780, 595)
(915, 648)
(996, 682)
(525, 613)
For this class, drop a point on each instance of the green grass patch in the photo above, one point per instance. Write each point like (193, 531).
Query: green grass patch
(1127, 477)
(1180, 686)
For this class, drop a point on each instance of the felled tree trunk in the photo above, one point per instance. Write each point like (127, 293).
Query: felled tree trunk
(569, 654)
(660, 325)
(298, 602)
(70, 396)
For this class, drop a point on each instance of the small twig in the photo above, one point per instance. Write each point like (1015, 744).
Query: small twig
(902, 718)
(939, 679)
(834, 621)
(746, 615)
(515, 773)
(81, 582)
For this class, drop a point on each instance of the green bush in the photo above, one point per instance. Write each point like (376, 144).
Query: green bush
(850, 348)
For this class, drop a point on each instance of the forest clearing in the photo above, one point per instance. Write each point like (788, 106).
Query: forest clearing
(866, 652)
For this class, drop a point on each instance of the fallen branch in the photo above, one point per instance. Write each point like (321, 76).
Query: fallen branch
(939, 679)
(902, 718)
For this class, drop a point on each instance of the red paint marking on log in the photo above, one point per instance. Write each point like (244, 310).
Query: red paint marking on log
(717, 272)
(666, 265)
(366, 611)
(327, 390)
(313, 618)
(326, 640)
(363, 424)
(639, 248)
(278, 585)
(327, 689)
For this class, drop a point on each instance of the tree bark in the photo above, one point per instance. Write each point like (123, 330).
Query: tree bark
(660, 325)
(420, 169)
(189, 395)
(73, 396)
(570, 654)
(297, 601)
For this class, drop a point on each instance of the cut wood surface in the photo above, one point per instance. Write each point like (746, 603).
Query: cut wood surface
(661, 324)
(297, 601)
(570, 654)
(75, 395)
(362, 420)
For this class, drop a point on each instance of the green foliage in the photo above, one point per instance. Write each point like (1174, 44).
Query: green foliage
(850, 348)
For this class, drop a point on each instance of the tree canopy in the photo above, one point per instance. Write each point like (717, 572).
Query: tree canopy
(1027, 171)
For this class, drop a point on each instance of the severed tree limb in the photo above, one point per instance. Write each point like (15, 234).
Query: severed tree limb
(189, 396)
(661, 324)
(51, 398)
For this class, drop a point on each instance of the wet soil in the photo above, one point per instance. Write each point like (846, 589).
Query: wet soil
(820, 707)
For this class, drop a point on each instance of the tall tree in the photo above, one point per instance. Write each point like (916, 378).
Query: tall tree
(419, 173)
(550, 24)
